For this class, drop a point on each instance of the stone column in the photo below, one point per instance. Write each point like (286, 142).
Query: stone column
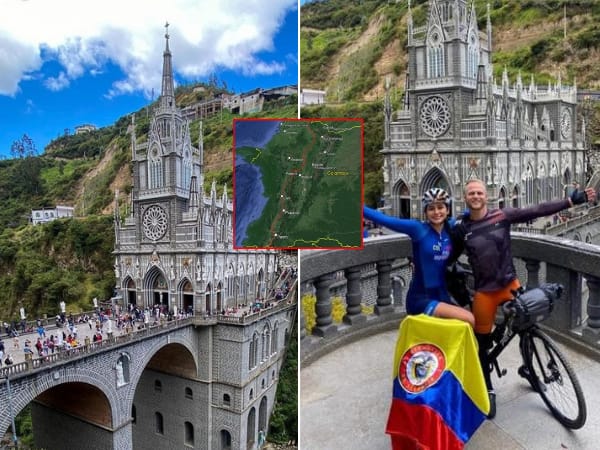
(384, 288)
(353, 297)
(122, 437)
(591, 329)
(533, 270)
(324, 326)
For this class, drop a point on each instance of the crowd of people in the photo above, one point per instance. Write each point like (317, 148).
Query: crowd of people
(106, 321)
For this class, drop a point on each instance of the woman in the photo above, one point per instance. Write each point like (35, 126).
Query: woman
(431, 247)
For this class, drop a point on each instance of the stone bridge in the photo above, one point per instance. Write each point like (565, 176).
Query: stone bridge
(194, 382)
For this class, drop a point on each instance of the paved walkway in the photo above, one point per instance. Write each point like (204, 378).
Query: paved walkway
(345, 396)
(83, 331)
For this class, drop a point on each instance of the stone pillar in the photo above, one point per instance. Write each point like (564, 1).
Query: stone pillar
(591, 329)
(567, 311)
(353, 297)
(122, 437)
(324, 326)
(384, 288)
(29, 360)
(533, 271)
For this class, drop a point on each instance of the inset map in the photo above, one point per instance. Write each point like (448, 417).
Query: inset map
(298, 183)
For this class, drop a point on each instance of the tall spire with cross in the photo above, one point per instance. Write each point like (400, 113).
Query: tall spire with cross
(167, 95)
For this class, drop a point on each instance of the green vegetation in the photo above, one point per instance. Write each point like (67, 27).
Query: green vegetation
(332, 60)
(284, 420)
(71, 260)
(64, 260)
(372, 115)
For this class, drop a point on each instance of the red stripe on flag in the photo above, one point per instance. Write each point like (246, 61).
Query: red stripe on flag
(418, 427)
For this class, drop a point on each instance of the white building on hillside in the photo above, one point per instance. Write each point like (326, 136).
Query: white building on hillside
(49, 214)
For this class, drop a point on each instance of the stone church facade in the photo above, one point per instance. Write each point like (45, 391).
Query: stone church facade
(457, 122)
(175, 248)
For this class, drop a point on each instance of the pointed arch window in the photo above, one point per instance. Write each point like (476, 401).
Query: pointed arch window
(186, 175)
(472, 56)
(528, 179)
(188, 430)
(435, 56)
(274, 339)
(155, 169)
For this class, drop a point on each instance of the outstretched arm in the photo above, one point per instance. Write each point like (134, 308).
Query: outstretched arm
(408, 226)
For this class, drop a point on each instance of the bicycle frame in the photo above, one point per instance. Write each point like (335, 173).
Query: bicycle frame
(507, 334)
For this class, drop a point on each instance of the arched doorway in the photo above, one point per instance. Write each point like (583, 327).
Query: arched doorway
(225, 440)
(219, 297)
(502, 197)
(515, 197)
(130, 292)
(187, 296)
(259, 283)
(567, 180)
(157, 288)
(251, 429)
(262, 414)
(207, 298)
(401, 199)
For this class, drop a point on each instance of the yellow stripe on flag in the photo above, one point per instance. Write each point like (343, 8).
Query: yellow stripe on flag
(456, 340)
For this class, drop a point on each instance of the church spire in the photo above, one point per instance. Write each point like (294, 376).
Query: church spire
(167, 95)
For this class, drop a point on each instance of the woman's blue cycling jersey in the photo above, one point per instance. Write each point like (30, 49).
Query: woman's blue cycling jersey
(430, 254)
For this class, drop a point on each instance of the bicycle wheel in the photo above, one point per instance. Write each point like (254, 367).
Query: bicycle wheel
(553, 378)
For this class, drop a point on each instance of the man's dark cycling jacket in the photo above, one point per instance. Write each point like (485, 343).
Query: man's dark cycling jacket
(487, 242)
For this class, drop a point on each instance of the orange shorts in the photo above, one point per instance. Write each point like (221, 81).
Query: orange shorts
(485, 305)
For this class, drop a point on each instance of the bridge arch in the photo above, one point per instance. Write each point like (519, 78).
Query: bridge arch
(177, 357)
(62, 391)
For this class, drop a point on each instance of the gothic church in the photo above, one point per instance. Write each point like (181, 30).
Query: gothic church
(457, 122)
(176, 246)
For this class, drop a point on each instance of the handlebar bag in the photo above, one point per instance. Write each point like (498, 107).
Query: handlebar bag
(535, 305)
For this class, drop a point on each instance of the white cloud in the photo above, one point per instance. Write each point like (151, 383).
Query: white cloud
(83, 36)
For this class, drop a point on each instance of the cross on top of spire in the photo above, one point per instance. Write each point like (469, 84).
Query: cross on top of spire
(167, 30)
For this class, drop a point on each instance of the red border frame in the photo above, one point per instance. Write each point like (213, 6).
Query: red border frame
(362, 178)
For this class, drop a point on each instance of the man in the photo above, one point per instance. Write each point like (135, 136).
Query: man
(485, 235)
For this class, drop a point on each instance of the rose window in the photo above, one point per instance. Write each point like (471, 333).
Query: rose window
(155, 222)
(435, 116)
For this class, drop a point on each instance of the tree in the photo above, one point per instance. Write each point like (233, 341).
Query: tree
(23, 148)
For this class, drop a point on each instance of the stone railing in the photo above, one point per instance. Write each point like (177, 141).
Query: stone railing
(145, 331)
(82, 350)
(576, 265)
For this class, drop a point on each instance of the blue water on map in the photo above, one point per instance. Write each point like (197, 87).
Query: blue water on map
(249, 198)
(255, 133)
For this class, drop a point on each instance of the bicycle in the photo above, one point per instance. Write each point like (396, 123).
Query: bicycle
(544, 366)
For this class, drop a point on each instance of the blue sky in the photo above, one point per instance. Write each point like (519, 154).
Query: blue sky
(57, 72)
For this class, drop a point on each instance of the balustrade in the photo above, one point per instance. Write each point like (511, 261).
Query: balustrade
(544, 257)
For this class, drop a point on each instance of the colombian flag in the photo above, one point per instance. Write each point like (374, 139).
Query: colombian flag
(440, 397)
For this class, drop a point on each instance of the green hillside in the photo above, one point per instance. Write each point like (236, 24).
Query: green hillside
(348, 49)
(71, 259)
